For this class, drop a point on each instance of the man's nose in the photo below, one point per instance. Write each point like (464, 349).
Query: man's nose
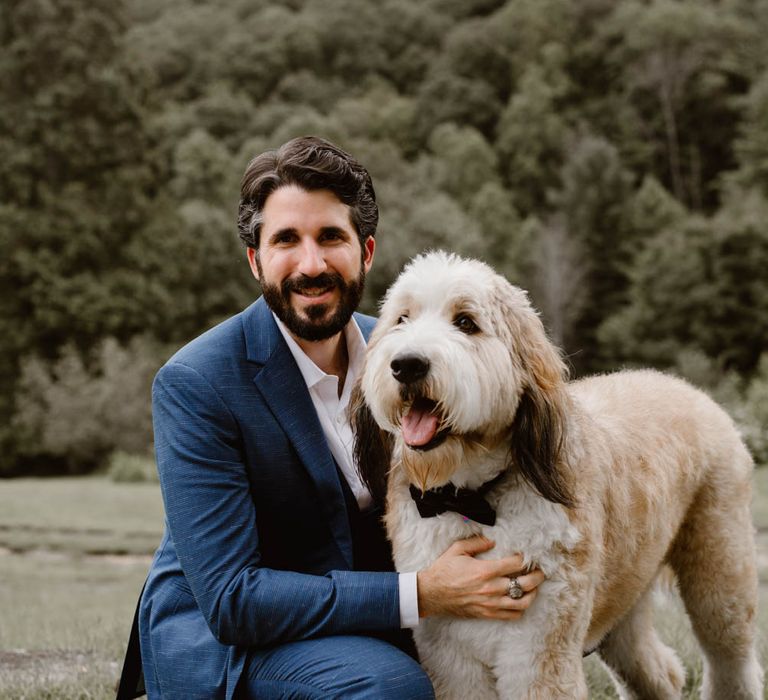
(311, 260)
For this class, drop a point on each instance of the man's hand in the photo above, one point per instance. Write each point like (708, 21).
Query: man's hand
(459, 585)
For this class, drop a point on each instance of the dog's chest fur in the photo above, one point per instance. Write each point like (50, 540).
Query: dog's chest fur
(525, 523)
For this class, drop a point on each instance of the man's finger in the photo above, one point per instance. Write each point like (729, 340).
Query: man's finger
(508, 566)
(521, 604)
(531, 580)
(527, 582)
(472, 545)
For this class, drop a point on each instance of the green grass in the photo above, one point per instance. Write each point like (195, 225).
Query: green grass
(80, 515)
(74, 553)
(760, 499)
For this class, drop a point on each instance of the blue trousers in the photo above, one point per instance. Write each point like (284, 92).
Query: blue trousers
(334, 667)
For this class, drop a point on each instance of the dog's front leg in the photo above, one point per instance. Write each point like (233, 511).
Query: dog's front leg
(561, 677)
(455, 674)
(546, 676)
(542, 657)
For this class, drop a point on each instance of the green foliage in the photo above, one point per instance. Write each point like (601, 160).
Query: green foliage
(532, 130)
(756, 408)
(463, 161)
(752, 144)
(680, 62)
(611, 157)
(76, 413)
(75, 171)
(593, 200)
(652, 208)
(556, 275)
(75, 552)
(698, 283)
(745, 400)
(123, 467)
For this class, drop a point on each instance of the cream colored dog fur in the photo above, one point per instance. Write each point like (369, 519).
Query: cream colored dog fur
(608, 480)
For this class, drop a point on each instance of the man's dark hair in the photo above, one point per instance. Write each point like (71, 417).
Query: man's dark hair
(313, 164)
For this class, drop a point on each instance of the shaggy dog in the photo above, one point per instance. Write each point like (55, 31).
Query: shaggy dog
(600, 483)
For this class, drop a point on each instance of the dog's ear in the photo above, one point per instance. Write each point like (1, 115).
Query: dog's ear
(372, 448)
(538, 437)
(539, 426)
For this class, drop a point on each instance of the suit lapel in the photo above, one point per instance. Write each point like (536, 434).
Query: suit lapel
(282, 386)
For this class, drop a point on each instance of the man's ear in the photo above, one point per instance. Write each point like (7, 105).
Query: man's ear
(252, 253)
(369, 246)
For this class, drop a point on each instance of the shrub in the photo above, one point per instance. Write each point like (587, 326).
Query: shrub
(77, 410)
(756, 408)
(123, 467)
(745, 401)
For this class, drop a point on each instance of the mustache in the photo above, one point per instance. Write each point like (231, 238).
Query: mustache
(302, 282)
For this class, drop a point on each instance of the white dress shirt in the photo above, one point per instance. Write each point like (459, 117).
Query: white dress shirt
(332, 412)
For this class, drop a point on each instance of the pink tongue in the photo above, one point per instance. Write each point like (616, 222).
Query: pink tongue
(419, 427)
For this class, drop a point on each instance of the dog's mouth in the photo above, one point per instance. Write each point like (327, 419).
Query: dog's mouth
(420, 426)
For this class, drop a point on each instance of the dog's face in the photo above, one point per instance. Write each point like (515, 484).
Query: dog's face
(455, 350)
(436, 362)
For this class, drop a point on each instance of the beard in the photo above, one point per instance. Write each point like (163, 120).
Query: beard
(318, 324)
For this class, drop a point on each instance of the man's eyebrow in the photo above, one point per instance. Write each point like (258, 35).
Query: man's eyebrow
(334, 229)
(288, 230)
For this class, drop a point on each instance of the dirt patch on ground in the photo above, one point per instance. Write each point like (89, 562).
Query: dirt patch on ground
(50, 666)
(22, 659)
(53, 555)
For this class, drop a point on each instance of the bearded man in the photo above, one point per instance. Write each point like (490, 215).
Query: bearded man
(274, 577)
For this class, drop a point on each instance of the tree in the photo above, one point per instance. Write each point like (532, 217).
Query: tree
(463, 161)
(677, 57)
(652, 208)
(69, 412)
(592, 203)
(699, 284)
(669, 294)
(558, 279)
(75, 179)
(532, 130)
(492, 206)
(752, 143)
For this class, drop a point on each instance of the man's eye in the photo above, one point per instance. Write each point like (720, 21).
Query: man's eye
(465, 324)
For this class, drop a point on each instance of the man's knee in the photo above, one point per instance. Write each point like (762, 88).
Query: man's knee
(399, 679)
(336, 667)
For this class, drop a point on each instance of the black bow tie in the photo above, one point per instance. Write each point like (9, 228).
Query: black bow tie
(467, 502)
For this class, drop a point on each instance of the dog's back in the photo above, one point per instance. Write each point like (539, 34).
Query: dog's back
(676, 483)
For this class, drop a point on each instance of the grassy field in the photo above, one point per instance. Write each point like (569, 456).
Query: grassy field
(74, 553)
(73, 556)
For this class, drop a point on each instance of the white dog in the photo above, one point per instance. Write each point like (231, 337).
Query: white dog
(600, 483)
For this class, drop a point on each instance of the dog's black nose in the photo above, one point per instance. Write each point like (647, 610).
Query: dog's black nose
(409, 368)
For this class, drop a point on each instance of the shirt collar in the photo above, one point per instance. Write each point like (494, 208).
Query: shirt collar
(311, 373)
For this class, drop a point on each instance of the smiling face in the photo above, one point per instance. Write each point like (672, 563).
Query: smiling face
(310, 262)
(441, 372)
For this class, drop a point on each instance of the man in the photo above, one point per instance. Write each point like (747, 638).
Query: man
(273, 578)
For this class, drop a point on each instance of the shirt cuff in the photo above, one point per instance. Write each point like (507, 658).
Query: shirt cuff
(409, 600)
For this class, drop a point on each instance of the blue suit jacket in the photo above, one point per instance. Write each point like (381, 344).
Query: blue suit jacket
(257, 548)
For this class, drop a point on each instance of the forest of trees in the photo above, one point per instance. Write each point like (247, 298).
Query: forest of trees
(609, 156)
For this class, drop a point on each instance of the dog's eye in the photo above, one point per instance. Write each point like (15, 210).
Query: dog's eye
(402, 319)
(465, 324)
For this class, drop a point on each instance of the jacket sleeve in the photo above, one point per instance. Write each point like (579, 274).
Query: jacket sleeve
(212, 521)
